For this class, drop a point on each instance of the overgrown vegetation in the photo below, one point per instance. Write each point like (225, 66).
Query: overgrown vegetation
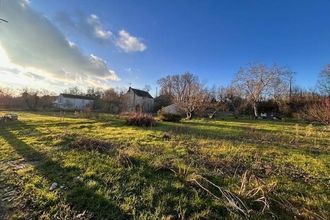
(318, 111)
(141, 119)
(211, 169)
(169, 117)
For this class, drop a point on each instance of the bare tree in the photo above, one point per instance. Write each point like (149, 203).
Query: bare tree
(257, 82)
(94, 92)
(318, 111)
(6, 97)
(166, 85)
(324, 81)
(31, 98)
(186, 91)
(74, 91)
(110, 100)
(46, 99)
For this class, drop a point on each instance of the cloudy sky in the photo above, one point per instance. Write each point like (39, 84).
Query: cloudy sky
(56, 44)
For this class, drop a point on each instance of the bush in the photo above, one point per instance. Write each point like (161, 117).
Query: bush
(141, 119)
(318, 111)
(170, 117)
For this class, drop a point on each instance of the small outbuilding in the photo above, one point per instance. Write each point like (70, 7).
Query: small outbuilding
(73, 102)
(139, 101)
(171, 109)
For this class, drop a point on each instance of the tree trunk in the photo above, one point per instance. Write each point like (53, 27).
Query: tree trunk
(188, 115)
(255, 109)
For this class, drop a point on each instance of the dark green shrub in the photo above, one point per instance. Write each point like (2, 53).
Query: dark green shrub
(170, 117)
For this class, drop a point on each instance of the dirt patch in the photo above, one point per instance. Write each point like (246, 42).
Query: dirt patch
(91, 144)
(297, 174)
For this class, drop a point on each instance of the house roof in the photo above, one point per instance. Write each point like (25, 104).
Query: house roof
(77, 96)
(141, 93)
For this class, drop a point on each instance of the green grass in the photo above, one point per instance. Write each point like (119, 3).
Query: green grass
(268, 168)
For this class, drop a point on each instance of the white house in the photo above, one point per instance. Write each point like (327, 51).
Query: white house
(73, 102)
(139, 101)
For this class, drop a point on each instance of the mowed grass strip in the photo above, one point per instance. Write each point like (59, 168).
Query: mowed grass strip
(210, 169)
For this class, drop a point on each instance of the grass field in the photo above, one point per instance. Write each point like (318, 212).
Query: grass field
(206, 169)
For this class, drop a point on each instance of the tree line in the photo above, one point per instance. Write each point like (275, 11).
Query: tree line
(255, 89)
(110, 100)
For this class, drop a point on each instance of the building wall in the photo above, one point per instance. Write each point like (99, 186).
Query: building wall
(73, 103)
(136, 103)
(171, 109)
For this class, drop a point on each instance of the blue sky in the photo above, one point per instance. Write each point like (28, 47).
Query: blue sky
(212, 39)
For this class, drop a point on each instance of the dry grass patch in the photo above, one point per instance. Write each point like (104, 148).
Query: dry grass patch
(91, 144)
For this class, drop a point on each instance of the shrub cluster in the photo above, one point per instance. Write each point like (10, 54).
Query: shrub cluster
(170, 117)
(141, 120)
(318, 111)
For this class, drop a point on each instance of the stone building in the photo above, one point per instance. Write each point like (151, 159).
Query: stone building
(139, 101)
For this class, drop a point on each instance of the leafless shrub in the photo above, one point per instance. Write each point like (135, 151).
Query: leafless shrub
(319, 111)
(141, 120)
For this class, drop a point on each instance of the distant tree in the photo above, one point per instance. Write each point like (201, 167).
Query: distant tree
(324, 81)
(166, 85)
(113, 100)
(317, 111)
(46, 99)
(162, 101)
(6, 97)
(74, 91)
(31, 98)
(257, 82)
(231, 99)
(95, 93)
(186, 91)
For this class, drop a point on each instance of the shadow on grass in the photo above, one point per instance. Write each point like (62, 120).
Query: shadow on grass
(80, 196)
(133, 183)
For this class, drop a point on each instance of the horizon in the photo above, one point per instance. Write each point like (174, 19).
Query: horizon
(114, 44)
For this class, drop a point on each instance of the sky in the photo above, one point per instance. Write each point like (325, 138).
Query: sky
(57, 44)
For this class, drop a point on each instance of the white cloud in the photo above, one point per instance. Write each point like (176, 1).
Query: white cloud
(31, 46)
(98, 29)
(129, 43)
(92, 27)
